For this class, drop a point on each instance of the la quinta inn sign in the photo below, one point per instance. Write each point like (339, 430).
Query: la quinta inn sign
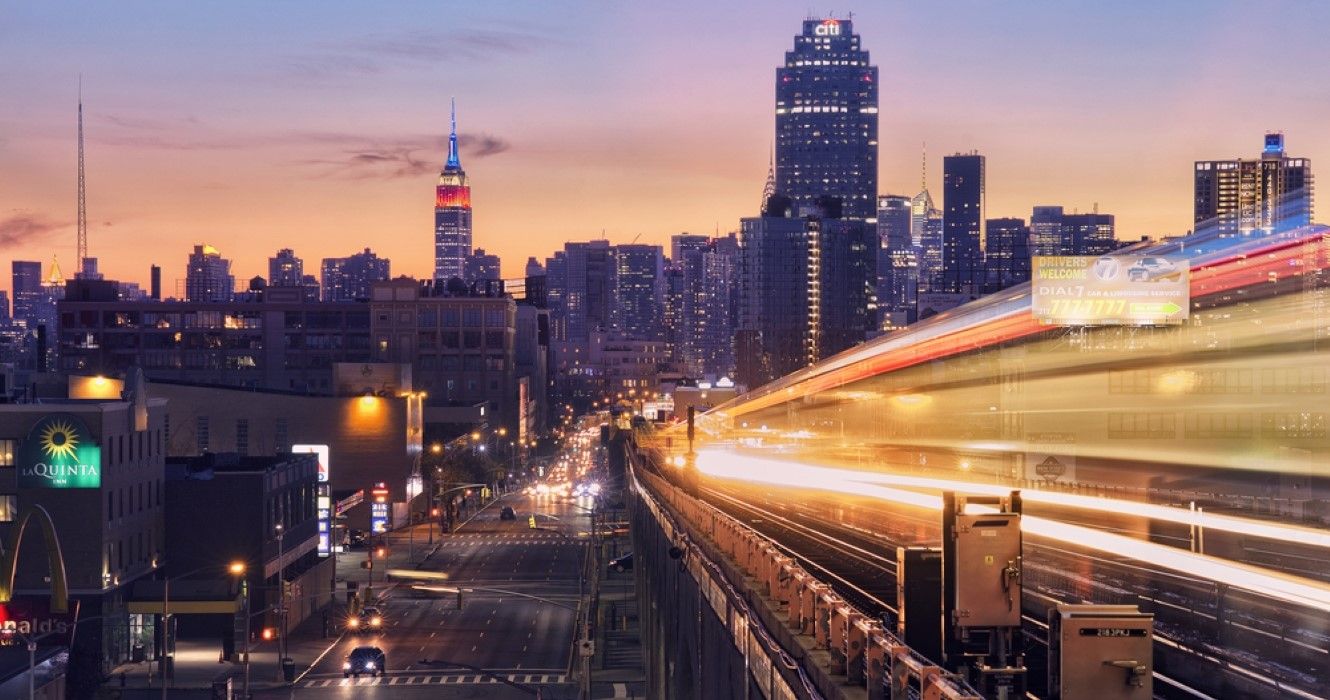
(59, 453)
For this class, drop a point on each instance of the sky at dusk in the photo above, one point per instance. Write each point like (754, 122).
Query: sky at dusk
(321, 126)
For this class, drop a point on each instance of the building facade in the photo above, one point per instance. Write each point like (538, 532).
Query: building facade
(805, 291)
(208, 278)
(826, 119)
(897, 279)
(1243, 197)
(636, 291)
(1007, 258)
(452, 214)
(481, 266)
(278, 342)
(461, 346)
(962, 223)
(350, 278)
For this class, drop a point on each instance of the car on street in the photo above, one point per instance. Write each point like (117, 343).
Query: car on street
(623, 563)
(369, 660)
(507, 513)
(369, 620)
(355, 539)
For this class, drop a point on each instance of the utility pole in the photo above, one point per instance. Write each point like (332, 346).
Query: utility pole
(281, 583)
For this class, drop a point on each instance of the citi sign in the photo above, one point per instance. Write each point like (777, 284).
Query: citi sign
(828, 28)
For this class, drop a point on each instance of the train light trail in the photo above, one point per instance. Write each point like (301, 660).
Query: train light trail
(1292, 589)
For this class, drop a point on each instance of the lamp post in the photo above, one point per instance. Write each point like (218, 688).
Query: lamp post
(166, 619)
(238, 568)
(281, 596)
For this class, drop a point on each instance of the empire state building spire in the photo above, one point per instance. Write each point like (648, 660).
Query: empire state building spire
(454, 163)
(452, 213)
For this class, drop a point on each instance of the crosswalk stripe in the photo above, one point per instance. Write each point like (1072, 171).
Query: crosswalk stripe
(435, 679)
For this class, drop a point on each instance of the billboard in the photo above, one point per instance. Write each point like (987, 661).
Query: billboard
(59, 453)
(1126, 289)
(321, 451)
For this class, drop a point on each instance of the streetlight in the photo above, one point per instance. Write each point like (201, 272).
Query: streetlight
(281, 593)
(238, 568)
(32, 658)
(166, 619)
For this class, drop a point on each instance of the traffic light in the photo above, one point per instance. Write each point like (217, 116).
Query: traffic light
(381, 552)
(269, 634)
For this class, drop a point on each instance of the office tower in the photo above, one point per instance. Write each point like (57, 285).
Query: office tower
(921, 205)
(130, 291)
(452, 214)
(672, 291)
(804, 290)
(1089, 234)
(5, 318)
(155, 282)
(351, 278)
(897, 264)
(27, 287)
(826, 120)
(930, 252)
(636, 292)
(962, 223)
(1046, 232)
(1243, 197)
(683, 289)
(534, 268)
(1055, 232)
(208, 277)
(285, 269)
(481, 266)
(1007, 258)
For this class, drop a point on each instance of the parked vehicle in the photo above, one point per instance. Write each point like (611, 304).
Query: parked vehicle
(623, 563)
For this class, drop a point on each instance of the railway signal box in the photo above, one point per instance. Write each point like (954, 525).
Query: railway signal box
(1100, 652)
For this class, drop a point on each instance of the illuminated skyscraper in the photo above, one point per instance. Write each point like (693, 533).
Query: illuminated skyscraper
(826, 120)
(637, 291)
(452, 214)
(1243, 197)
(962, 223)
(481, 266)
(352, 277)
(897, 262)
(208, 277)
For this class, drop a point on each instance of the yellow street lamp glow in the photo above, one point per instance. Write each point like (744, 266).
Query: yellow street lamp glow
(436, 448)
(237, 568)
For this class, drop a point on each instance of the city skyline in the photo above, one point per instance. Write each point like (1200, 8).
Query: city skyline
(325, 136)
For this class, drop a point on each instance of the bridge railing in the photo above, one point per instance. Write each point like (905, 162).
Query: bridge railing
(860, 650)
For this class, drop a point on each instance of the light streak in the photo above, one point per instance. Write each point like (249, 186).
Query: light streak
(1291, 589)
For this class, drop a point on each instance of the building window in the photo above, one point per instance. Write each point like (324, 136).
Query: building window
(242, 436)
(282, 438)
(7, 448)
(8, 507)
(201, 433)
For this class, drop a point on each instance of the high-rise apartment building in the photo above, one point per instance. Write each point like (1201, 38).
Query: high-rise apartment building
(1046, 232)
(826, 120)
(352, 277)
(452, 214)
(930, 252)
(897, 262)
(1243, 197)
(208, 277)
(962, 223)
(805, 286)
(480, 265)
(706, 304)
(285, 269)
(636, 291)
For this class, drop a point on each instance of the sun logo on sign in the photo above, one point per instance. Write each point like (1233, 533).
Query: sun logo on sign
(59, 441)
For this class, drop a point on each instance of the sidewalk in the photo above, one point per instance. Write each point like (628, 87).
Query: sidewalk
(618, 670)
(197, 666)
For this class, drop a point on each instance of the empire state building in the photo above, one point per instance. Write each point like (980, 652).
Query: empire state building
(452, 214)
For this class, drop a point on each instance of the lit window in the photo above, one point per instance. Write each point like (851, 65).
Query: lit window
(7, 448)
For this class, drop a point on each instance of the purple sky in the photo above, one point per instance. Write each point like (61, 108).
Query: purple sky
(320, 126)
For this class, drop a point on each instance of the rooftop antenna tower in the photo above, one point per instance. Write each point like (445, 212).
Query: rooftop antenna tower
(83, 193)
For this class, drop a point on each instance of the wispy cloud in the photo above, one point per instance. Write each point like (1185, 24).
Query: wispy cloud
(377, 54)
(21, 228)
(409, 157)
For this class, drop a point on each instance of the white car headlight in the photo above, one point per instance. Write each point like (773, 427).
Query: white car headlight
(369, 665)
(346, 664)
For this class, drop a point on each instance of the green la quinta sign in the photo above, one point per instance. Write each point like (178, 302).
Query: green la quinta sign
(59, 453)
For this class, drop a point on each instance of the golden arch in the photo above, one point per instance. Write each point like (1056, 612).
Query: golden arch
(55, 559)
